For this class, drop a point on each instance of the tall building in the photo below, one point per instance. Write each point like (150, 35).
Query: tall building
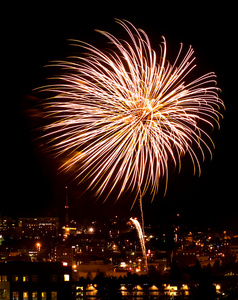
(62, 253)
(7, 225)
(66, 207)
(35, 281)
(43, 226)
(67, 229)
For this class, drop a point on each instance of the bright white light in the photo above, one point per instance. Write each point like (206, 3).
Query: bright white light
(66, 277)
(123, 264)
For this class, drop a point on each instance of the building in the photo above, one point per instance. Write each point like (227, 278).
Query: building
(41, 227)
(7, 226)
(62, 253)
(185, 257)
(34, 281)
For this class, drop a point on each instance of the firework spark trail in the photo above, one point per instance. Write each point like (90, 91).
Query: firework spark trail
(120, 116)
(140, 232)
(128, 112)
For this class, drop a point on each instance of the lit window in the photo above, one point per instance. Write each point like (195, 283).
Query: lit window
(15, 296)
(53, 295)
(25, 278)
(66, 277)
(34, 296)
(15, 278)
(79, 292)
(43, 295)
(25, 295)
(4, 278)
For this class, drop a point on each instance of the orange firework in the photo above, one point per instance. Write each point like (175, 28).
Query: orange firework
(119, 116)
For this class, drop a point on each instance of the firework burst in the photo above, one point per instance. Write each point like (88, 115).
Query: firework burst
(120, 115)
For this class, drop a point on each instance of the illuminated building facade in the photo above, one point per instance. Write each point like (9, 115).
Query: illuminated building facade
(43, 226)
(62, 253)
(33, 281)
(7, 226)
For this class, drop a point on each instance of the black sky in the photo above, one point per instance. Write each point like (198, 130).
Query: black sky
(34, 35)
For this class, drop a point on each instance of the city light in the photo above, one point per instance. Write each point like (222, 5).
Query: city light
(38, 246)
(116, 238)
(123, 264)
(91, 230)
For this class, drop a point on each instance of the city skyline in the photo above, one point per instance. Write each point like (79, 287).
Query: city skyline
(34, 264)
(32, 177)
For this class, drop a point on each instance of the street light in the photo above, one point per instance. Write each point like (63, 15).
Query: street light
(38, 245)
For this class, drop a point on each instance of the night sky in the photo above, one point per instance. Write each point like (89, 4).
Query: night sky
(34, 35)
